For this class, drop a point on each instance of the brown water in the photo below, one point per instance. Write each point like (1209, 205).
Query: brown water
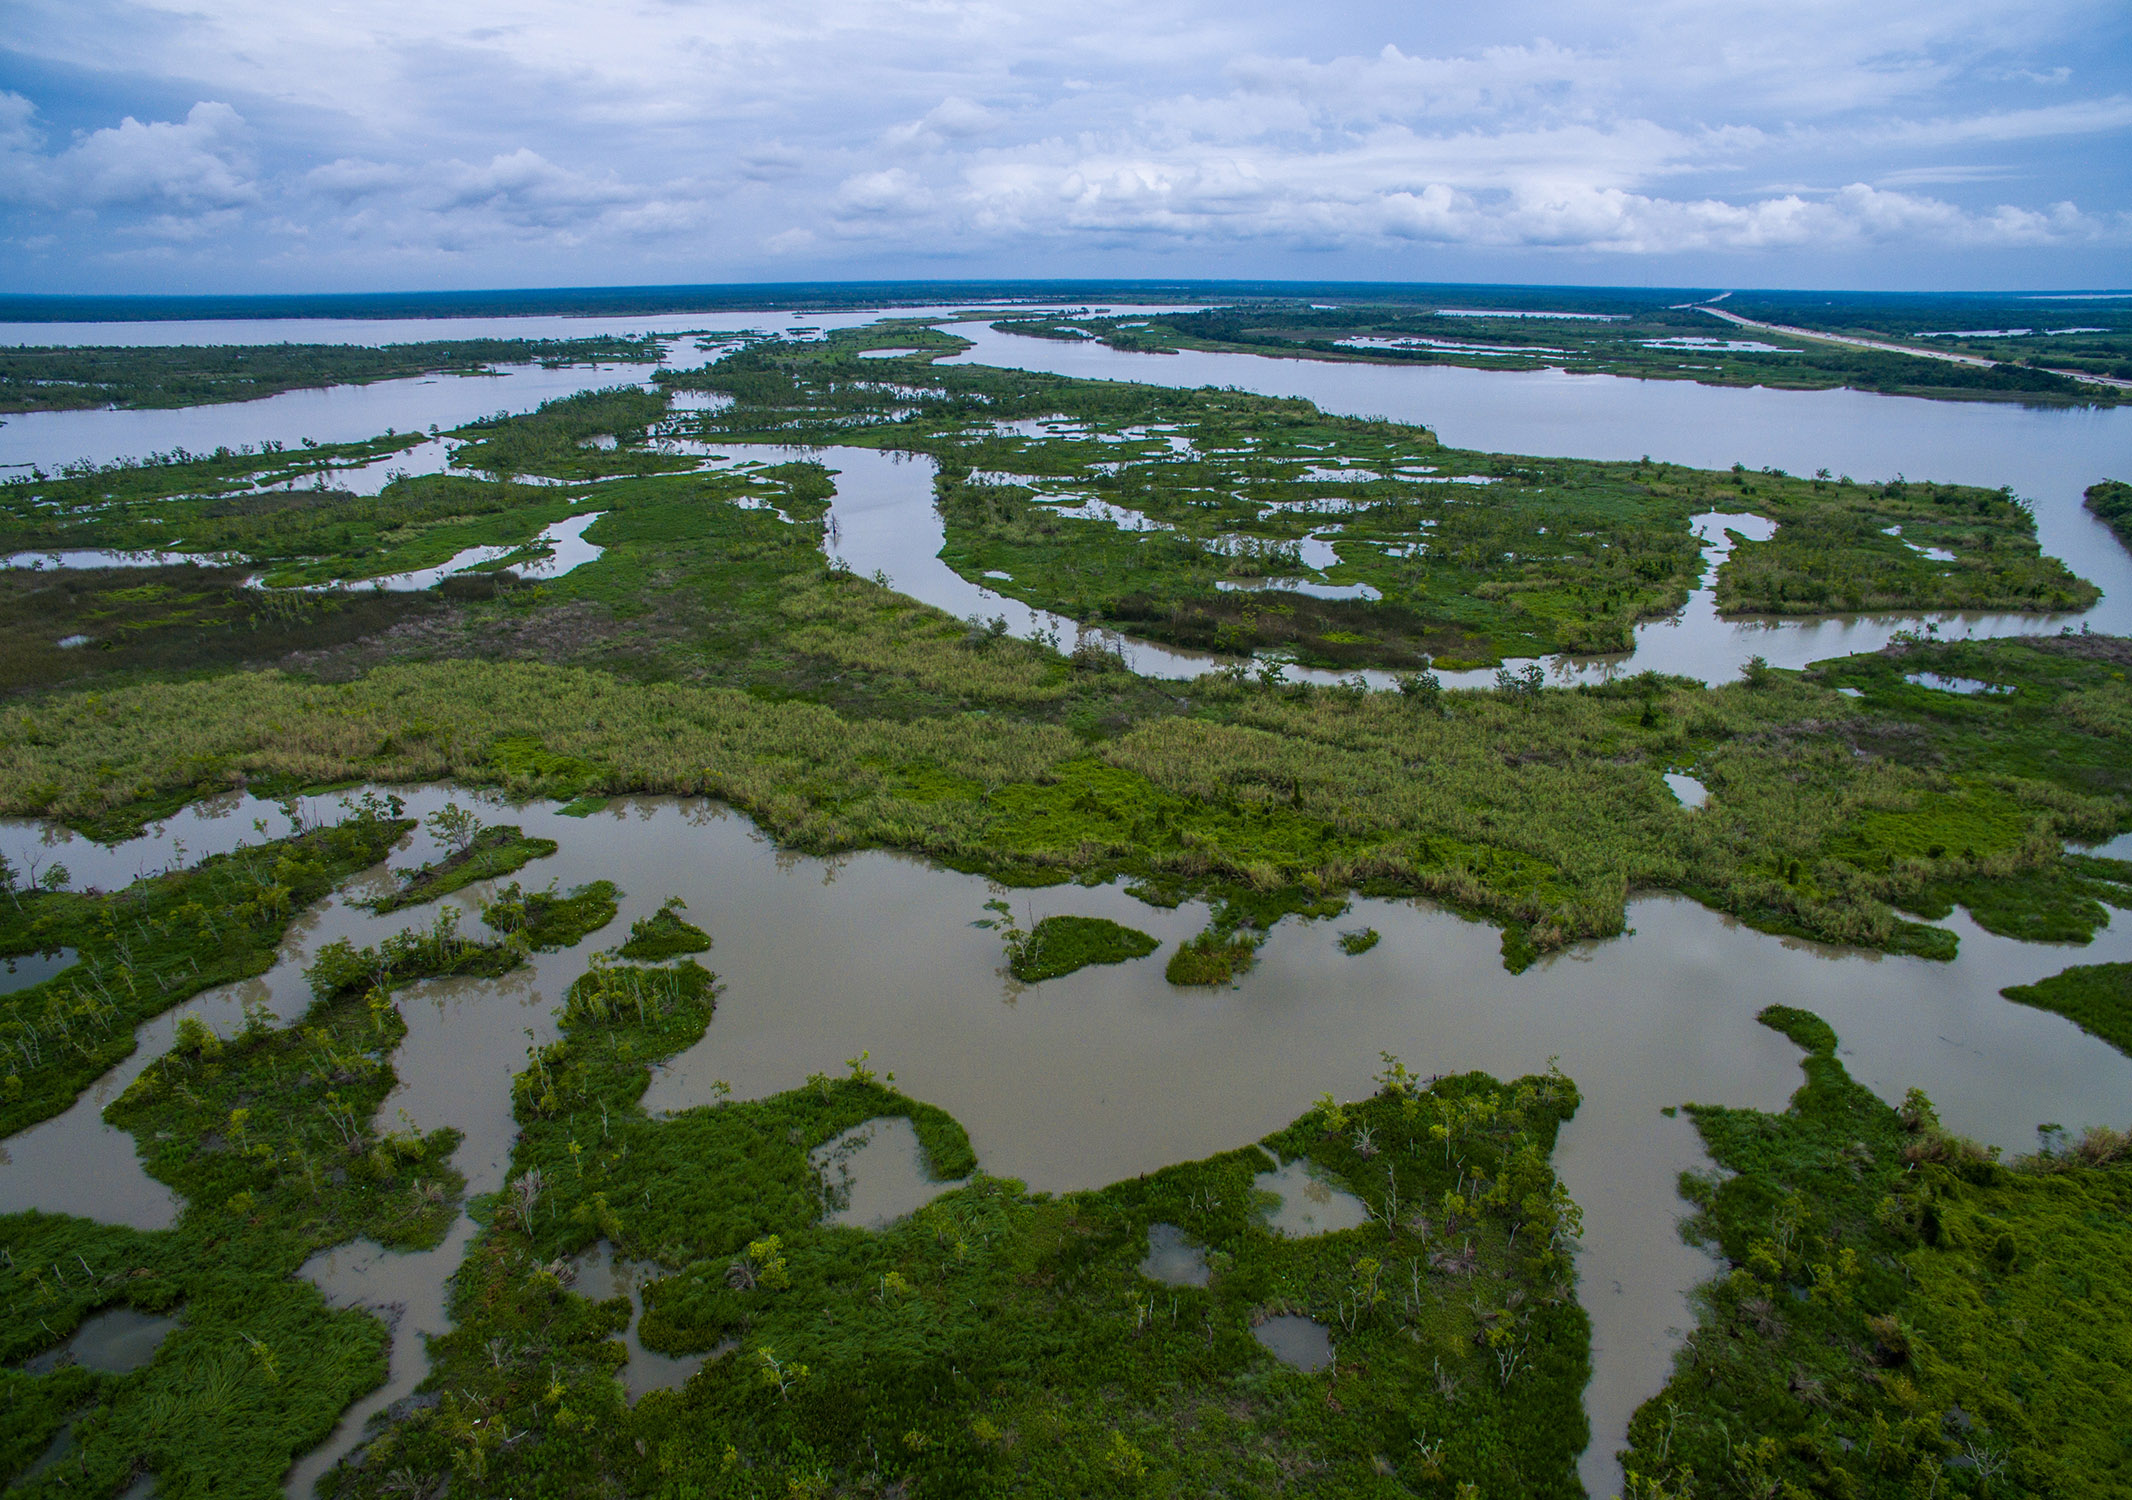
(1296, 1341)
(1110, 1072)
(117, 1341)
(1174, 1259)
(876, 1173)
(598, 1275)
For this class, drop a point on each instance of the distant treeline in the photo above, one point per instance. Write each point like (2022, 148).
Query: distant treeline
(66, 378)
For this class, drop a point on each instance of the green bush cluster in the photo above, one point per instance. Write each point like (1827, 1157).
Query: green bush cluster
(163, 939)
(1901, 1313)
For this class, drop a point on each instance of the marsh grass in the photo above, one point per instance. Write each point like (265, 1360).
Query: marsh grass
(1058, 946)
(1542, 815)
(664, 934)
(161, 940)
(2095, 997)
(489, 854)
(1900, 1312)
(270, 1137)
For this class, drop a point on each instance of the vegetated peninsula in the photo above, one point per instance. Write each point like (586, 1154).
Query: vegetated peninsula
(2111, 502)
(64, 378)
(1898, 1311)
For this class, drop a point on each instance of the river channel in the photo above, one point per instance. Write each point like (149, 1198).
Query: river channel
(1079, 1081)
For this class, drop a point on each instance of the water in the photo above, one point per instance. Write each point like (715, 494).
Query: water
(1966, 686)
(1308, 1205)
(350, 413)
(598, 1275)
(1692, 793)
(118, 1341)
(1296, 1342)
(25, 969)
(2048, 455)
(885, 522)
(876, 1173)
(1173, 1259)
(1112, 1072)
(564, 540)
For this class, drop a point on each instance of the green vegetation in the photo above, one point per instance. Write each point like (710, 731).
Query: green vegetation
(476, 853)
(664, 934)
(2095, 997)
(995, 1340)
(1892, 546)
(1540, 812)
(269, 1137)
(1651, 336)
(176, 619)
(1059, 945)
(1213, 958)
(543, 921)
(1361, 941)
(1902, 1314)
(163, 939)
(65, 378)
(2052, 902)
(2111, 502)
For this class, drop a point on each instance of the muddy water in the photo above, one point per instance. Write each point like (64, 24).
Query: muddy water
(1110, 1072)
(876, 1173)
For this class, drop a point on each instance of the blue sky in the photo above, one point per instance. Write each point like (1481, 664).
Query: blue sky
(231, 145)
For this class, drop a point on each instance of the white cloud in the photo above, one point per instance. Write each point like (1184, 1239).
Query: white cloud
(721, 132)
(200, 163)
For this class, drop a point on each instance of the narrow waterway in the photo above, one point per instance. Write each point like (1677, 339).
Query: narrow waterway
(1111, 1072)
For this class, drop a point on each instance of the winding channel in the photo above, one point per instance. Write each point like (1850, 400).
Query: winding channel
(1081, 1081)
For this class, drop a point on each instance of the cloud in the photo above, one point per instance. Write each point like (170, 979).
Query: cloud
(718, 133)
(200, 163)
(952, 119)
(876, 194)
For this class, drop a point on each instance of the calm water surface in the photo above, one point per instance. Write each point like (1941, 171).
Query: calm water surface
(1111, 1072)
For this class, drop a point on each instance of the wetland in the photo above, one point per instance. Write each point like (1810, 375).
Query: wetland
(819, 947)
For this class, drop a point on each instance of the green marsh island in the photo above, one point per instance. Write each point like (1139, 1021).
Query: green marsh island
(1349, 913)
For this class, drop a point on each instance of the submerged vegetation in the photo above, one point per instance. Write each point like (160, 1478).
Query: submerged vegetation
(995, 1339)
(1902, 1313)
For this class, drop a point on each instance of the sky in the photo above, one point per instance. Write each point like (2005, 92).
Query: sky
(347, 145)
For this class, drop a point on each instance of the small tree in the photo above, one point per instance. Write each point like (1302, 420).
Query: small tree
(455, 828)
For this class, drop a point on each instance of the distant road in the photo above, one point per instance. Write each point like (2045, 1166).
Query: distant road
(1948, 356)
